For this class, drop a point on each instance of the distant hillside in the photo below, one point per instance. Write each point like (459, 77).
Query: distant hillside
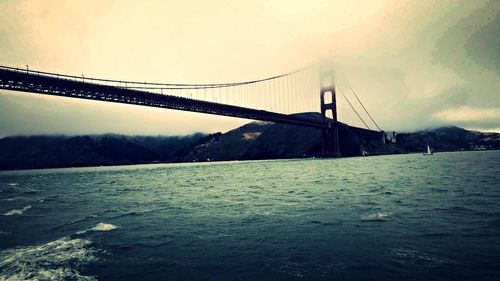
(256, 140)
(34, 152)
(448, 139)
(262, 140)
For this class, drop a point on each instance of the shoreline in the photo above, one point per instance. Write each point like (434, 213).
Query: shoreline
(151, 164)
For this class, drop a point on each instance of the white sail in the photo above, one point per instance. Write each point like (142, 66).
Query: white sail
(429, 151)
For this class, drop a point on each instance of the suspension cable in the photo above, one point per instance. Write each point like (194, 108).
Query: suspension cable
(171, 85)
(369, 115)
(355, 111)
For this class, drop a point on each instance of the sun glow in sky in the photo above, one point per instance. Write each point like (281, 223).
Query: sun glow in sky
(416, 64)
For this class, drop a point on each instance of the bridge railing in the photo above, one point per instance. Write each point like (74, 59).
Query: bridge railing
(82, 78)
(278, 91)
(292, 92)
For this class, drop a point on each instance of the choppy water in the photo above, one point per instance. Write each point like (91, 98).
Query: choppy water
(408, 217)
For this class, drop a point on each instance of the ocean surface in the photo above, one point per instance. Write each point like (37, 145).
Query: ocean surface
(399, 217)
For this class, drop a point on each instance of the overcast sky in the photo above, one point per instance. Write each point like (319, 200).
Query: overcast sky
(416, 64)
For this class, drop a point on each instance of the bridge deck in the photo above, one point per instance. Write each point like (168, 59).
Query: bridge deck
(25, 81)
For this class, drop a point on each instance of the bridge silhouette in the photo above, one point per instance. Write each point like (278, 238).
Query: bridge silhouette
(272, 99)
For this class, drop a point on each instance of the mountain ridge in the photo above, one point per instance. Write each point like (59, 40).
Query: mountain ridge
(252, 141)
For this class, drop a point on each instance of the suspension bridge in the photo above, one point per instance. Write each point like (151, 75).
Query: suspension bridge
(273, 99)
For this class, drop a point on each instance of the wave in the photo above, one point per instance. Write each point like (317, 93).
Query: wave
(330, 223)
(415, 258)
(56, 260)
(375, 217)
(103, 227)
(11, 199)
(17, 211)
(99, 227)
(79, 220)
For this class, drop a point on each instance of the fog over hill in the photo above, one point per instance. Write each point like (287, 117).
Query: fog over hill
(255, 140)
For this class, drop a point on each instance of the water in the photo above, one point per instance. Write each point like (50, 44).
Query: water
(409, 217)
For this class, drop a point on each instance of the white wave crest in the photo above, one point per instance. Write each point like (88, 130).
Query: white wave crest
(11, 199)
(103, 227)
(17, 211)
(414, 257)
(56, 260)
(100, 227)
(375, 217)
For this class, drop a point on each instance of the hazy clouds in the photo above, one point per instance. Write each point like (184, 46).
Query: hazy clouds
(415, 64)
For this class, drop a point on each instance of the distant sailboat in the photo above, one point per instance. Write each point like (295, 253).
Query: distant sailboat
(364, 152)
(429, 151)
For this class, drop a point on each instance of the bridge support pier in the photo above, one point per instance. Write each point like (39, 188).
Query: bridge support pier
(331, 147)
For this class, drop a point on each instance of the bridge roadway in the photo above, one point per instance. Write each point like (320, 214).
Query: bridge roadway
(29, 81)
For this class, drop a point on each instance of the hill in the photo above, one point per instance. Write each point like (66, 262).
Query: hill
(263, 140)
(255, 140)
(35, 152)
(449, 138)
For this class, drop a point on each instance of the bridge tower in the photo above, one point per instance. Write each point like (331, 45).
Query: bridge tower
(331, 146)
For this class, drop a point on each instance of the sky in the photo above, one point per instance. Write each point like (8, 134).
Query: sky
(415, 64)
